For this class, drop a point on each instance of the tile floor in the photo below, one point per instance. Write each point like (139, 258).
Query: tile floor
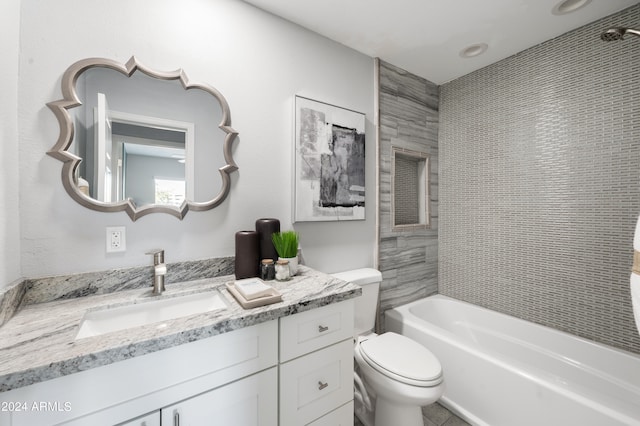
(434, 415)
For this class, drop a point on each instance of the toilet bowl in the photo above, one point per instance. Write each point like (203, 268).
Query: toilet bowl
(397, 376)
(403, 375)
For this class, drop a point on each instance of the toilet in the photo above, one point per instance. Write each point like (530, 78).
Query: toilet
(397, 376)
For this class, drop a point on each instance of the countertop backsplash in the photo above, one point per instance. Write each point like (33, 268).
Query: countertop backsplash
(48, 289)
(11, 299)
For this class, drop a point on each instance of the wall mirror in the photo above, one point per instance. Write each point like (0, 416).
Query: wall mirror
(142, 141)
(409, 190)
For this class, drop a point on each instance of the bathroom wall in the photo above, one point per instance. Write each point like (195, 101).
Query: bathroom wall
(256, 60)
(9, 147)
(408, 114)
(540, 183)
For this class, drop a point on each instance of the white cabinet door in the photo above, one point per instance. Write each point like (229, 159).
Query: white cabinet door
(151, 419)
(252, 401)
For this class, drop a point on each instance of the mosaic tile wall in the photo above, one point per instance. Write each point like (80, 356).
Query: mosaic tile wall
(540, 183)
(408, 118)
(406, 191)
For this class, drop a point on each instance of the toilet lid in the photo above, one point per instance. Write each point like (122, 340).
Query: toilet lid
(402, 359)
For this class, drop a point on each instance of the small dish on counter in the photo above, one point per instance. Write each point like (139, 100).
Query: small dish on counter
(265, 296)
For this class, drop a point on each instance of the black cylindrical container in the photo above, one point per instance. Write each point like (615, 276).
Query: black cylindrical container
(247, 260)
(267, 270)
(265, 228)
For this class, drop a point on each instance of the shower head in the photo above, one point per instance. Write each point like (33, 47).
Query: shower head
(617, 33)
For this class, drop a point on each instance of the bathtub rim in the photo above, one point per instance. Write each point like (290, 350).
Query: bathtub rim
(407, 306)
(403, 316)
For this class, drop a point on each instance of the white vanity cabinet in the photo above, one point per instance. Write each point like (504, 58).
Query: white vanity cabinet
(295, 370)
(316, 366)
(121, 392)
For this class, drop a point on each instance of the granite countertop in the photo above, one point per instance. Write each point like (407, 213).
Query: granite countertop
(38, 343)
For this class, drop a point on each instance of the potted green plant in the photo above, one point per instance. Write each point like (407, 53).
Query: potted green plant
(286, 244)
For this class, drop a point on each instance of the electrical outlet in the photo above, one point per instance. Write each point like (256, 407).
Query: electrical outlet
(116, 240)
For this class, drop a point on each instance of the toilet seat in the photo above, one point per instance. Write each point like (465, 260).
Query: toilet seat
(402, 359)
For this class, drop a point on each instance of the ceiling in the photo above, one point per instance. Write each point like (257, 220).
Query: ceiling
(425, 37)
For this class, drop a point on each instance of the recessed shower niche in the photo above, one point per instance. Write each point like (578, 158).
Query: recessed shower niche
(409, 189)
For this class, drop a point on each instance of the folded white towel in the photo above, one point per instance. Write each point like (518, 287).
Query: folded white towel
(635, 278)
(252, 288)
(635, 298)
(636, 236)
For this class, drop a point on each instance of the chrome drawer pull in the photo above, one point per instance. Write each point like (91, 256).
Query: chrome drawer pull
(322, 385)
(322, 328)
(176, 418)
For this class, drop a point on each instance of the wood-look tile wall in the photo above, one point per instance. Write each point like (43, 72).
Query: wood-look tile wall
(408, 117)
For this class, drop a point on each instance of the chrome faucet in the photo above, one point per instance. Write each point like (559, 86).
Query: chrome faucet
(159, 270)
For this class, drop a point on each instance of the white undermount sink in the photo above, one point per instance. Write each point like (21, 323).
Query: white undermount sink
(95, 323)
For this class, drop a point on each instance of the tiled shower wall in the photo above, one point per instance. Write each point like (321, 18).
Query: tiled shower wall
(406, 191)
(408, 117)
(540, 183)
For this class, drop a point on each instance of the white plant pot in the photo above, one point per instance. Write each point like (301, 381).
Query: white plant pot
(293, 264)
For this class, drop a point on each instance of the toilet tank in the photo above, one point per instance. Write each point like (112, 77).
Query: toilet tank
(366, 305)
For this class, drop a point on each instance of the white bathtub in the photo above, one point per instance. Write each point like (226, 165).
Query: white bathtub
(503, 371)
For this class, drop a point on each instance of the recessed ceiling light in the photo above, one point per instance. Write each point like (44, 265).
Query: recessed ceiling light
(568, 6)
(474, 50)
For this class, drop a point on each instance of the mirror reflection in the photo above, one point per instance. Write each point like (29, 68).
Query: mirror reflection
(142, 141)
(148, 165)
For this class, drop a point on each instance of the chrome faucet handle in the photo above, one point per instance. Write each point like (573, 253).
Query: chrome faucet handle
(158, 256)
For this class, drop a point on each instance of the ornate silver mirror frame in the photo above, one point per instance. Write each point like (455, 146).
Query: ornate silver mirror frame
(71, 161)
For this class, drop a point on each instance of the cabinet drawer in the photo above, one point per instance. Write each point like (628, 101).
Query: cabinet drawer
(307, 331)
(315, 384)
(342, 416)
